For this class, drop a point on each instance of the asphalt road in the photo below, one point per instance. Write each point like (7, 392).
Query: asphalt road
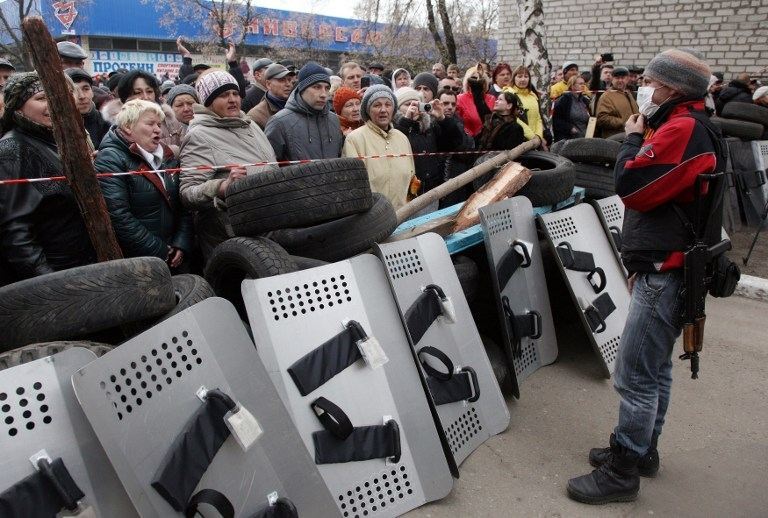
(714, 448)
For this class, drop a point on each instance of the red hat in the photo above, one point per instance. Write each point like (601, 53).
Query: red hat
(342, 95)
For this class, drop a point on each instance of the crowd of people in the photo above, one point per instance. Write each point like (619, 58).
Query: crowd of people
(212, 116)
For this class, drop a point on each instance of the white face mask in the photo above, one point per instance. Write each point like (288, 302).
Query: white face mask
(645, 101)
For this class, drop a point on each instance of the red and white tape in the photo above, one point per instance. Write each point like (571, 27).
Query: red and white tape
(178, 170)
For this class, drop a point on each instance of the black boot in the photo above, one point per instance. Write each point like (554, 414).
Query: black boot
(647, 466)
(615, 481)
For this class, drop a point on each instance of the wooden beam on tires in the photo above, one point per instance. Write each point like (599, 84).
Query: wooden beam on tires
(70, 136)
(444, 189)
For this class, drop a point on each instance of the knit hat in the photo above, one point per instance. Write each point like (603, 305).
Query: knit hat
(680, 70)
(426, 79)
(342, 95)
(372, 93)
(406, 94)
(125, 86)
(209, 86)
(18, 89)
(760, 92)
(310, 74)
(78, 74)
(180, 90)
(166, 86)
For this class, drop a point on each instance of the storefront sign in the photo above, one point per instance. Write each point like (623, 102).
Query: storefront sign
(157, 63)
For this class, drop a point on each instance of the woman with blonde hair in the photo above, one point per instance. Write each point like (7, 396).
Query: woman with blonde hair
(475, 103)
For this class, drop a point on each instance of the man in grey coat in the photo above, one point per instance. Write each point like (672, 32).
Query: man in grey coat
(306, 128)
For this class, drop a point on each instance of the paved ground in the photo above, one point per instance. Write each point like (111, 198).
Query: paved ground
(758, 261)
(714, 448)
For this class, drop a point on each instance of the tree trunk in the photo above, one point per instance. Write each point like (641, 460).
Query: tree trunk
(432, 26)
(69, 133)
(450, 42)
(534, 49)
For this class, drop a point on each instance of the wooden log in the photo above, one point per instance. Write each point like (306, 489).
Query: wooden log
(504, 184)
(444, 189)
(70, 138)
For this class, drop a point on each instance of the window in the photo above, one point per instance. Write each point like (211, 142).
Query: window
(124, 43)
(149, 45)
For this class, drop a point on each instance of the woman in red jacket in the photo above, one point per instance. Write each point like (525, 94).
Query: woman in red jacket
(475, 103)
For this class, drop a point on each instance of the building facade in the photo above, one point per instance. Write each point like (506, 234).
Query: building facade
(732, 34)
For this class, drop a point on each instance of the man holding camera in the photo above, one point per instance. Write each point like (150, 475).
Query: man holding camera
(428, 130)
(668, 146)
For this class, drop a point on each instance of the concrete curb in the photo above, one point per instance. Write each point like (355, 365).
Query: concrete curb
(753, 288)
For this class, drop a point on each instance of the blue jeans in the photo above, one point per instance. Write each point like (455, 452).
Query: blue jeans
(643, 376)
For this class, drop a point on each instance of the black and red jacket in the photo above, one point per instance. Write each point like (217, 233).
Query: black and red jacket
(655, 172)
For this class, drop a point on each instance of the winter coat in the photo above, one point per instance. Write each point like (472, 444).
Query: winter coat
(613, 111)
(561, 115)
(214, 140)
(388, 176)
(96, 126)
(467, 111)
(458, 164)
(430, 135)
(253, 96)
(41, 228)
(146, 209)
(262, 112)
(736, 91)
(503, 132)
(300, 132)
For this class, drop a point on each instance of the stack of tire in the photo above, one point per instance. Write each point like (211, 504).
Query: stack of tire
(297, 217)
(593, 162)
(746, 121)
(100, 304)
(551, 181)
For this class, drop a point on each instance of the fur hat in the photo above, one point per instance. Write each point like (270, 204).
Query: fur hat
(372, 93)
(681, 70)
(209, 86)
(340, 98)
(310, 74)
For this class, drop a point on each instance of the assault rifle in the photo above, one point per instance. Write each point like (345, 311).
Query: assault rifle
(698, 271)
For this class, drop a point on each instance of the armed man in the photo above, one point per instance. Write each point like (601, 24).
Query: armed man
(672, 230)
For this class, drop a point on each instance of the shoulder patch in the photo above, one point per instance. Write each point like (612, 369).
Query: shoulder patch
(646, 151)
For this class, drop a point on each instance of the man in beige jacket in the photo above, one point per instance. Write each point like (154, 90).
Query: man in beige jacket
(219, 134)
(615, 106)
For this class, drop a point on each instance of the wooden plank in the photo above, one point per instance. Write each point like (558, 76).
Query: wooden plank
(70, 138)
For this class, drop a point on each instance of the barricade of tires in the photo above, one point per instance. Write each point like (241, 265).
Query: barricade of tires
(593, 162)
(107, 302)
(746, 121)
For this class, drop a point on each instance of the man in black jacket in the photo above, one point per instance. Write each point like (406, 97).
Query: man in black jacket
(667, 147)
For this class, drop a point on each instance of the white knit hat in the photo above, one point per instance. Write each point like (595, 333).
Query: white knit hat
(209, 86)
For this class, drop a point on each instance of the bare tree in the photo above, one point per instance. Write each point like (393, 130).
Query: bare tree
(226, 19)
(474, 26)
(534, 48)
(11, 15)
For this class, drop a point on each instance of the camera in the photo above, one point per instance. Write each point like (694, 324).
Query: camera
(425, 107)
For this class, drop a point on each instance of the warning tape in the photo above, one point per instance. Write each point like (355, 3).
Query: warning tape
(177, 170)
